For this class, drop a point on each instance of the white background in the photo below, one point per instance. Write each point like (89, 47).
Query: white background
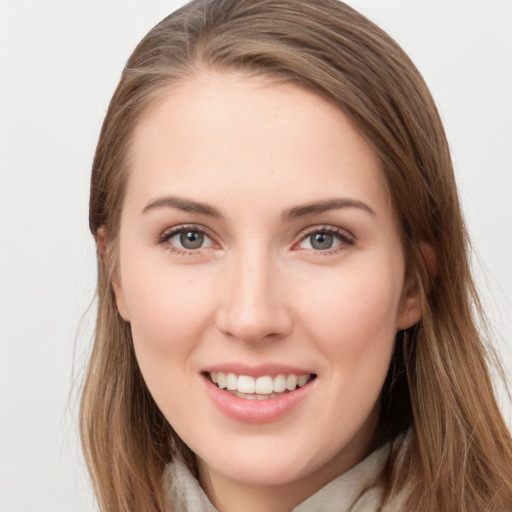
(59, 64)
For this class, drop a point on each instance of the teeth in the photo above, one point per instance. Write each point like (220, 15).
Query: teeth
(221, 380)
(302, 380)
(264, 385)
(231, 381)
(258, 388)
(291, 382)
(246, 384)
(279, 383)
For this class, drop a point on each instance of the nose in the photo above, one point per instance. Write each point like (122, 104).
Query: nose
(254, 306)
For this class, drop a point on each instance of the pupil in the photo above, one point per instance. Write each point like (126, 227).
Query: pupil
(191, 239)
(321, 241)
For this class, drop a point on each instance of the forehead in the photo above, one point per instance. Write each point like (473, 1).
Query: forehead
(250, 136)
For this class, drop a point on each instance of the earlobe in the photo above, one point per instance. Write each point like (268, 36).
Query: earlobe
(412, 310)
(102, 246)
(119, 295)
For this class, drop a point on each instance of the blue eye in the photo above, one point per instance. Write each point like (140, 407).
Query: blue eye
(191, 239)
(324, 239)
(186, 239)
(321, 241)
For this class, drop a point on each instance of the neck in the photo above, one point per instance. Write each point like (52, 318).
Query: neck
(229, 495)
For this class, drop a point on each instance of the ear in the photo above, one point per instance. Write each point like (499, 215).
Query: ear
(411, 307)
(429, 256)
(103, 248)
(119, 295)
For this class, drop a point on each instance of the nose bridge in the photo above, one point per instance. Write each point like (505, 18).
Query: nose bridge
(254, 306)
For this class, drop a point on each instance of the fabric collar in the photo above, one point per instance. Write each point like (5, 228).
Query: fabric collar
(356, 490)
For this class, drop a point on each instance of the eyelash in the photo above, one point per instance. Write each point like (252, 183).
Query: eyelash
(171, 232)
(344, 238)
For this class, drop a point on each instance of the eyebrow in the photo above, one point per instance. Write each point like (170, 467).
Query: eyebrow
(186, 205)
(323, 206)
(289, 214)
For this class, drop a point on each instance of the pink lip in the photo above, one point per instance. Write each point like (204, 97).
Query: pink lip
(257, 370)
(256, 411)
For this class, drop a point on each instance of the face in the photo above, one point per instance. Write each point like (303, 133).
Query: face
(261, 270)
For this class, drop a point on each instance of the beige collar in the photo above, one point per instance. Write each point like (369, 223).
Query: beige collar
(354, 491)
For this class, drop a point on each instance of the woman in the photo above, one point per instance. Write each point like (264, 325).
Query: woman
(286, 313)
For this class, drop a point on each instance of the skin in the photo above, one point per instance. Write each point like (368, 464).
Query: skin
(257, 292)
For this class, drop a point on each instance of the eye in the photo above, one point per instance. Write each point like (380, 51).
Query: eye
(189, 239)
(325, 239)
(321, 241)
(185, 239)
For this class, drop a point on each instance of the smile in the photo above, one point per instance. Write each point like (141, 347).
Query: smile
(259, 388)
(261, 397)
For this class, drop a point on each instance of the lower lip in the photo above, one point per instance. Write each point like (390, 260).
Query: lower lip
(256, 411)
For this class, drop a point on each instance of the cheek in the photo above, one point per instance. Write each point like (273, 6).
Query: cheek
(354, 327)
(357, 296)
(170, 313)
(170, 309)
(354, 319)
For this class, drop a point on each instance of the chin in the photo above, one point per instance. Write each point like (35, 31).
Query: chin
(262, 471)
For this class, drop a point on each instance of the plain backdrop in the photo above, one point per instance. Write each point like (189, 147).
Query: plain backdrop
(59, 64)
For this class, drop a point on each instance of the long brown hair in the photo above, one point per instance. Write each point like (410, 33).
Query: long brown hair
(460, 454)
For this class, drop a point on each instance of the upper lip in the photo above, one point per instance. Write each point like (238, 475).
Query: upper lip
(271, 369)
